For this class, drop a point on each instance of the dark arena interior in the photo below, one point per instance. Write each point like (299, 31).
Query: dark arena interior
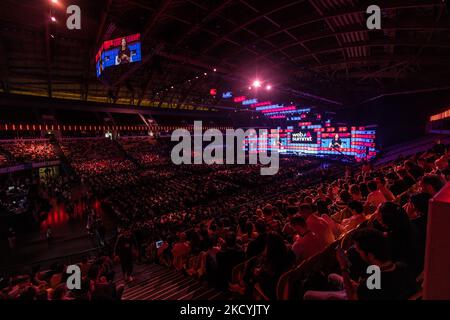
(233, 150)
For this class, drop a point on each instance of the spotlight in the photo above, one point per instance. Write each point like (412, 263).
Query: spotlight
(268, 87)
(54, 1)
(215, 69)
(53, 37)
(53, 18)
(257, 83)
(250, 88)
(205, 74)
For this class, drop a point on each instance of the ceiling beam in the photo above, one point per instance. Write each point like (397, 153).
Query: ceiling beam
(437, 61)
(154, 18)
(373, 44)
(330, 25)
(408, 92)
(348, 31)
(249, 22)
(430, 35)
(198, 26)
(361, 8)
(382, 71)
(288, 33)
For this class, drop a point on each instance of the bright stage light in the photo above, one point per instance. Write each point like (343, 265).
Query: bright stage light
(54, 1)
(269, 87)
(53, 19)
(250, 88)
(257, 83)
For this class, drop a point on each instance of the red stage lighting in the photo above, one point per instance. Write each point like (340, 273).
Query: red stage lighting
(239, 99)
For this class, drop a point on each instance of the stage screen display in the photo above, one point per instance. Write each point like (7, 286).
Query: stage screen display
(332, 143)
(310, 139)
(119, 51)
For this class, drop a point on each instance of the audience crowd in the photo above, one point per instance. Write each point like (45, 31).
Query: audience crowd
(145, 150)
(26, 150)
(212, 221)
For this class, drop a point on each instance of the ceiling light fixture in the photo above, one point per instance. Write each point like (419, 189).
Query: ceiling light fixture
(257, 83)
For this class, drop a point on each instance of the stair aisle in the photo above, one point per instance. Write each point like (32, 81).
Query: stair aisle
(155, 282)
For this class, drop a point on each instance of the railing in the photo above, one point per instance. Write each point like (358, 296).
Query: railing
(45, 263)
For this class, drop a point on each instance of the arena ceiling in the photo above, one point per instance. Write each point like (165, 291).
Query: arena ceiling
(315, 52)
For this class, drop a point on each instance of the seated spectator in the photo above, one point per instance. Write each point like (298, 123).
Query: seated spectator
(381, 184)
(391, 218)
(397, 282)
(271, 223)
(357, 217)
(180, 251)
(57, 277)
(256, 247)
(417, 210)
(227, 258)
(432, 184)
(322, 208)
(396, 185)
(417, 205)
(355, 192)
(276, 260)
(414, 169)
(288, 229)
(364, 190)
(211, 261)
(317, 224)
(341, 206)
(84, 293)
(306, 243)
(60, 292)
(242, 222)
(406, 177)
(375, 197)
(250, 234)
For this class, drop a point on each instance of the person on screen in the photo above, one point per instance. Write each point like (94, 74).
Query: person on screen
(124, 55)
(336, 143)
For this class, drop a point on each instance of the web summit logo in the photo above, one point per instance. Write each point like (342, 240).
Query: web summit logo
(302, 137)
(234, 146)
